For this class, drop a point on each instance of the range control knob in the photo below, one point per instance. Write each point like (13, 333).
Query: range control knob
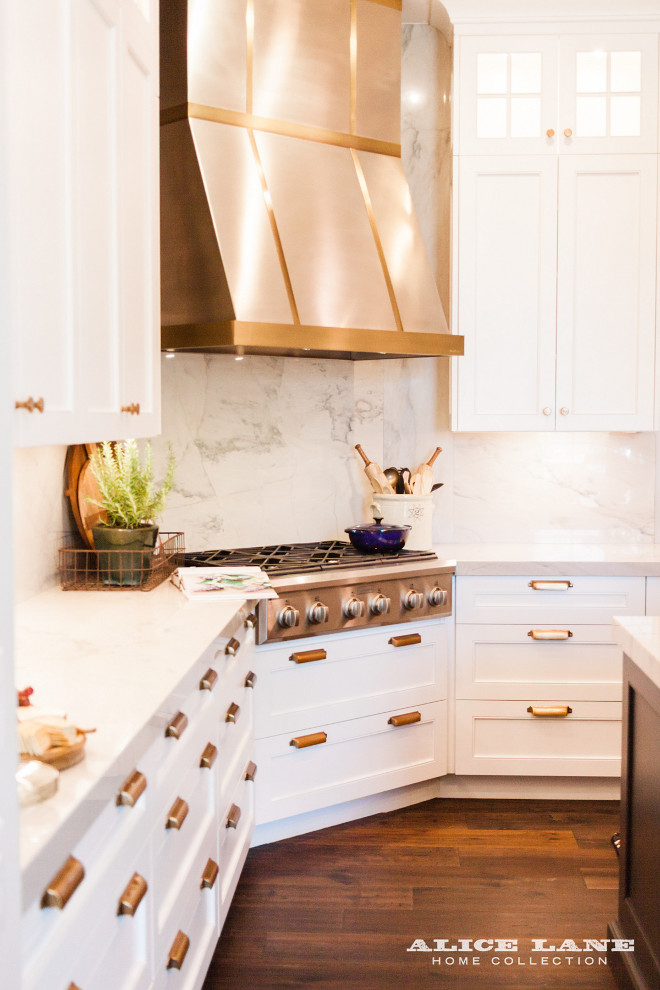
(380, 605)
(354, 608)
(413, 599)
(438, 596)
(288, 617)
(318, 613)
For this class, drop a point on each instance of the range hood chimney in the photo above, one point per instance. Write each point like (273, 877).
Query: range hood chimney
(287, 224)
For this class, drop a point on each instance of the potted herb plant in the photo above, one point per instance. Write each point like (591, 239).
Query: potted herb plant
(132, 502)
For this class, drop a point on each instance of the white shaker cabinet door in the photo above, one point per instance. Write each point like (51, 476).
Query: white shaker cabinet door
(606, 292)
(507, 253)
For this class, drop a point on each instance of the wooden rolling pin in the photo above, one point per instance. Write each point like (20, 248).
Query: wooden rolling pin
(422, 480)
(374, 473)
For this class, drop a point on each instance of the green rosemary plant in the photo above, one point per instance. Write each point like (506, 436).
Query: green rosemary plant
(127, 489)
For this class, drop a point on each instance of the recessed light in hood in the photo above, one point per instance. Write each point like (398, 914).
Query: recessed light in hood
(287, 224)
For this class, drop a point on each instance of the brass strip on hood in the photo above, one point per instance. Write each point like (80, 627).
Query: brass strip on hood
(273, 226)
(394, 4)
(377, 240)
(287, 128)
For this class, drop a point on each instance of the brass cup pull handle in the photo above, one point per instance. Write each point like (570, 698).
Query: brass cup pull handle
(208, 757)
(31, 404)
(250, 621)
(550, 634)
(313, 739)
(72, 986)
(133, 409)
(210, 875)
(408, 719)
(207, 682)
(179, 950)
(250, 771)
(65, 882)
(550, 585)
(308, 656)
(558, 711)
(133, 894)
(177, 814)
(250, 679)
(410, 640)
(131, 789)
(233, 816)
(177, 726)
(232, 647)
(232, 712)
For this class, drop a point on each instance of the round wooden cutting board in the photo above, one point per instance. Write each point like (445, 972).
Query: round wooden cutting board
(81, 486)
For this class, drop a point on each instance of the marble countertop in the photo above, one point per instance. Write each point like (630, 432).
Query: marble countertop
(639, 637)
(622, 559)
(110, 660)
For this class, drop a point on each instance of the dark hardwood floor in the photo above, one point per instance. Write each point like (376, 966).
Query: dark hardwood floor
(339, 908)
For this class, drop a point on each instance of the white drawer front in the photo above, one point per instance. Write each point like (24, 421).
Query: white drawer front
(502, 737)
(361, 756)
(234, 841)
(653, 596)
(361, 674)
(555, 600)
(500, 662)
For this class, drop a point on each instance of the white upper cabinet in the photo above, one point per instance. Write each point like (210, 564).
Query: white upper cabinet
(84, 220)
(574, 94)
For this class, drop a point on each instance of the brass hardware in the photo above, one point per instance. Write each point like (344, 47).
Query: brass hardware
(410, 640)
(177, 814)
(550, 132)
(133, 409)
(178, 952)
(207, 682)
(210, 875)
(63, 885)
(308, 656)
(546, 634)
(550, 585)
(72, 986)
(130, 899)
(208, 756)
(233, 816)
(250, 621)
(568, 132)
(547, 411)
(232, 712)
(131, 789)
(250, 679)
(250, 771)
(313, 739)
(564, 411)
(560, 711)
(408, 719)
(30, 404)
(232, 647)
(177, 726)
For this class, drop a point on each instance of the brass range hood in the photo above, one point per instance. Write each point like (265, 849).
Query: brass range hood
(287, 224)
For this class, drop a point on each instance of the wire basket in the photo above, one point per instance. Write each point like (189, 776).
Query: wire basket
(120, 570)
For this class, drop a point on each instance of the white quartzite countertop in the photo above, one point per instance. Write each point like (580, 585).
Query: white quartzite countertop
(110, 660)
(639, 637)
(616, 559)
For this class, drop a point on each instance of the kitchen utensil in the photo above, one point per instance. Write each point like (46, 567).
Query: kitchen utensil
(374, 473)
(437, 485)
(405, 477)
(377, 537)
(423, 477)
(393, 475)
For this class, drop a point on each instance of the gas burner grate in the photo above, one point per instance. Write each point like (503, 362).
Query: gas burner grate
(301, 558)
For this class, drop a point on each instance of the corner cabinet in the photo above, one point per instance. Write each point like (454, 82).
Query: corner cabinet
(84, 220)
(555, 236)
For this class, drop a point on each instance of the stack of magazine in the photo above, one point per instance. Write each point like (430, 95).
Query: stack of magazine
(212, 584)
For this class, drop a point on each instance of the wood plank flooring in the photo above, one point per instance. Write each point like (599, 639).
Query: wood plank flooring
(339, 908)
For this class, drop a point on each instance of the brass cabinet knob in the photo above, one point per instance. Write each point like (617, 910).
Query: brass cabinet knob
(132, 896)
(65, 882)
(250, 771)
(564, 411)
(210, 875)
(177, 726)
(250, 679)
(233, 816)
(207, 682)
(409, 718)
(177, 814)
(31, 404)
(133, 409)
(232, 712)
(179, 950)
(568, 132)
(547, 411)
(208, 756)
(131, 789)
(550, 132)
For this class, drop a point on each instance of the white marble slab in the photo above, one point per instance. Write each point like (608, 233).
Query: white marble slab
(626, 560)
(639, 637)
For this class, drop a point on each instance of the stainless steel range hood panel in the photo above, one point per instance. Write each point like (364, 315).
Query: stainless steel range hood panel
(277, 236)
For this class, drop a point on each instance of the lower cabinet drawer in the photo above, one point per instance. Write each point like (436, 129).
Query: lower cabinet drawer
(234, 836)
(358, 757)
(499, 662)
(503, 737)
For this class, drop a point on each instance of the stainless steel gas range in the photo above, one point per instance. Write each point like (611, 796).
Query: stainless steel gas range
(330, 587)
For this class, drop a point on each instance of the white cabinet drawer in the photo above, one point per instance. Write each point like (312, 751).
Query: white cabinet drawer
(356, 674)
(502, 737)
(653, 596)
(236, 826)
(505, 661)
(359, 757)
(544, 600)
